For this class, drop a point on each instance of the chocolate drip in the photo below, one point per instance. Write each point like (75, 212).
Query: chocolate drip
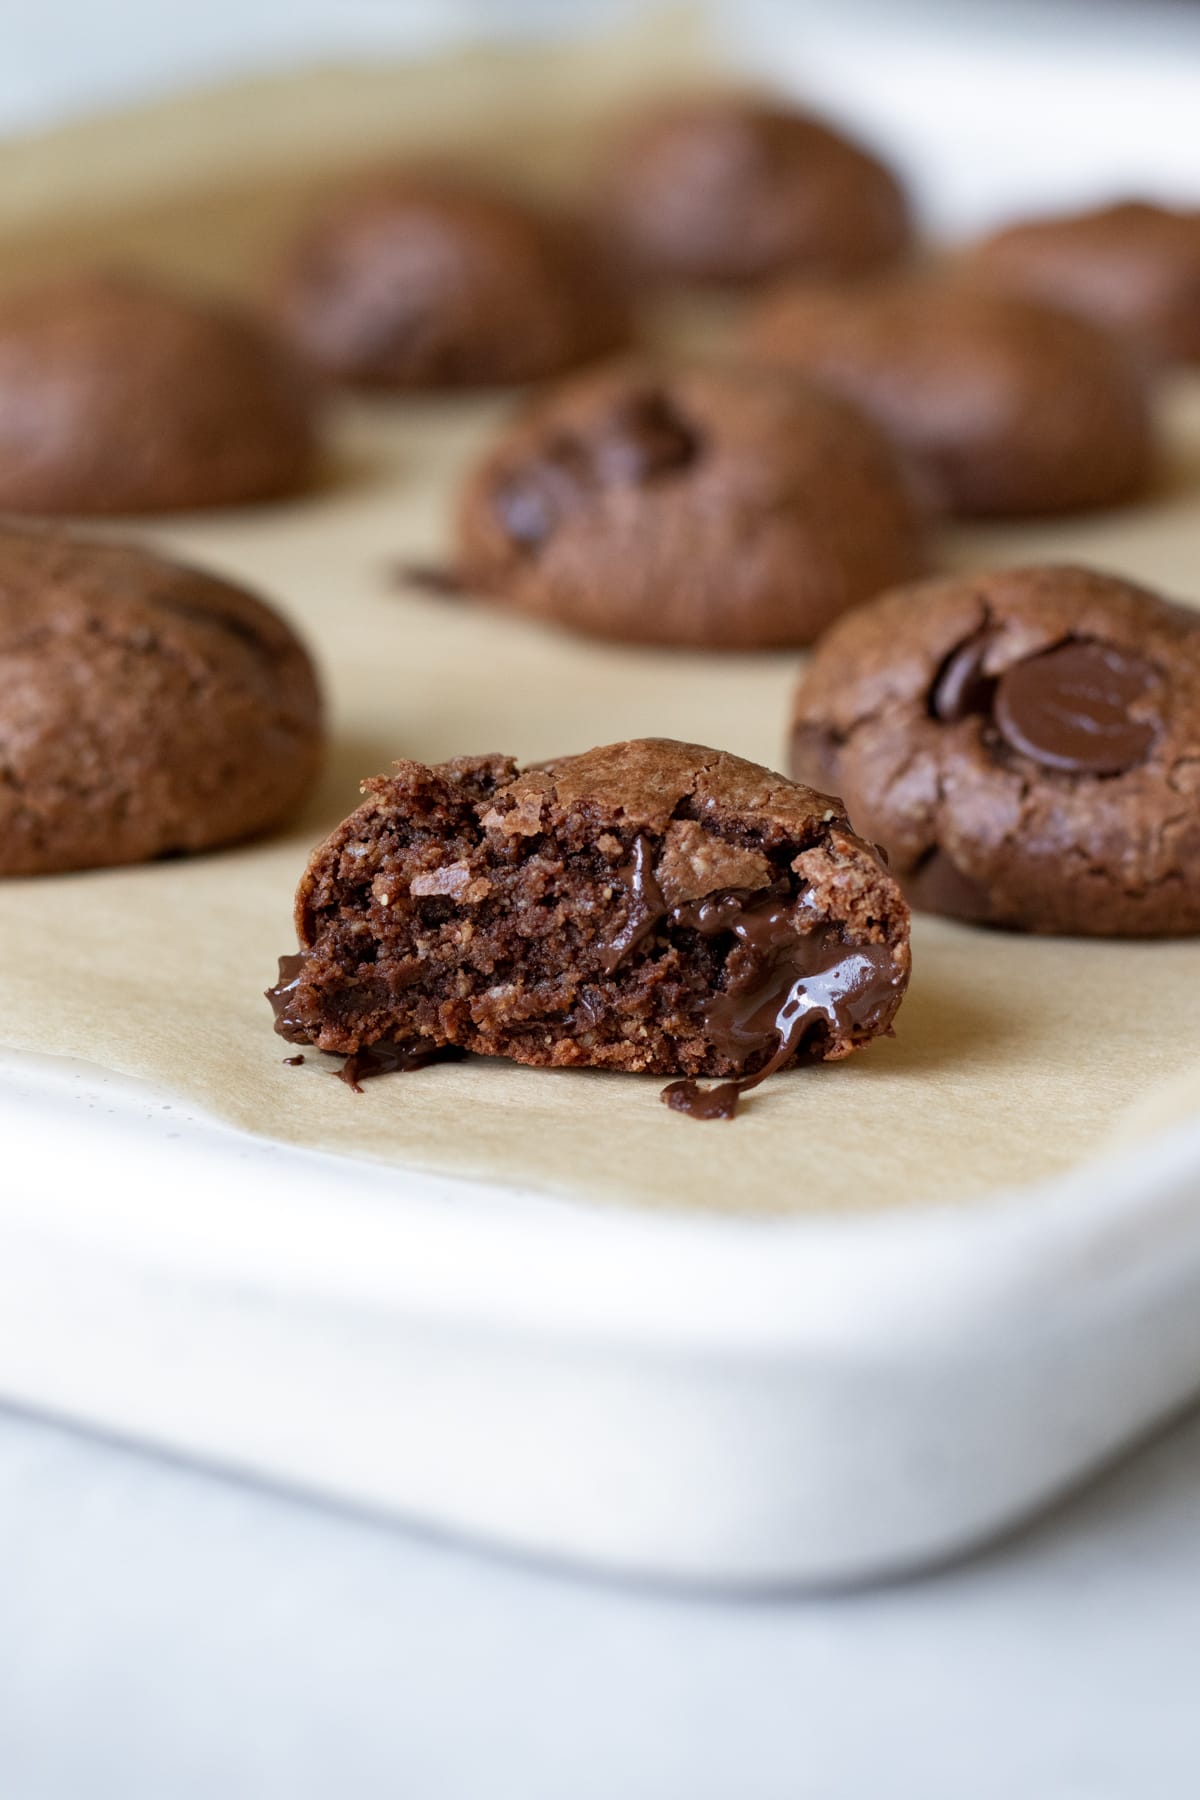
(785, 986)
(646, 905)
(283, 993)
(292, 1062)
(391, 1059)
(1069, 708)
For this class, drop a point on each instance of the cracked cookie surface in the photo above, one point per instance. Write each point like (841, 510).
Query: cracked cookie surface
(708, 506)
(648, 906)
(1025, 744)
(146, 709)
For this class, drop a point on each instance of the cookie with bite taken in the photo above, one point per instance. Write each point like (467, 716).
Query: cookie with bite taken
(649, 906)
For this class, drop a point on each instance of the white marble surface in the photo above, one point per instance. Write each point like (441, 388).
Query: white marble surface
(166, 1635)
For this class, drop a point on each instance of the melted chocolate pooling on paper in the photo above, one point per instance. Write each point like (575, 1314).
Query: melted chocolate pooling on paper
(392, 1059)
(789, 985)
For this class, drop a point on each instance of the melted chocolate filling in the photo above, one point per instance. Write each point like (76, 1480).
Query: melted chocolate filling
(280, 997)
(372, 1059)
(788, 986)
(646, 904)
(764, 991)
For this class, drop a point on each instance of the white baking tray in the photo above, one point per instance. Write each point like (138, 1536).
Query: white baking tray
(698, 1400)
(682, 1396)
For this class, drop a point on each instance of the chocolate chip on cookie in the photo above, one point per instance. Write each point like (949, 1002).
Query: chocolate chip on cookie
(411, 280)
(649, 906)
(1007, 405)
(1025, 743)
(707, 506)
(121, 395)
(146, 709)
(727, 189)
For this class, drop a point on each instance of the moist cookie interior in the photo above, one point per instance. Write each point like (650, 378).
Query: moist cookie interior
(448, 913)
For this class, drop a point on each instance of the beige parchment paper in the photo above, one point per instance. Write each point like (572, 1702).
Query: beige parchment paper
(1015, 1057)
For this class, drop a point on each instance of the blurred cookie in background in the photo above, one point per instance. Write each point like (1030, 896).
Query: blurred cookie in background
(717, 507)
(1134, 266)
(419, 280)
(121, 394)
(1024, 743)
(1008, 406)
(147, 709)
(729, 190)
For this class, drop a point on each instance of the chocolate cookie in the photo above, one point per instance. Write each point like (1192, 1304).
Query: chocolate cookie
(1008, 405)
(1026, 744)
(1134, 267)
(118, 395)
(649, 906)
(145, 708)
(715, 507)
(414, 281)
(728, 189)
